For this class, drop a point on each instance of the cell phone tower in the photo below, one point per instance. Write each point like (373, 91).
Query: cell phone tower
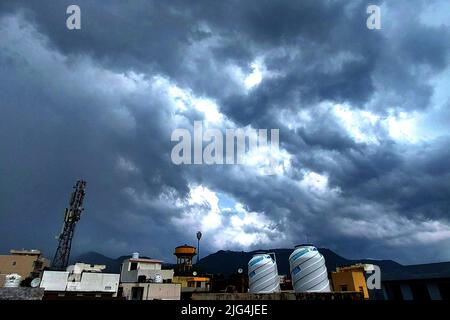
(72, 215)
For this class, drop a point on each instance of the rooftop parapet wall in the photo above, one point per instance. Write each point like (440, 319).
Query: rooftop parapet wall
(21, 293)
(319, 296)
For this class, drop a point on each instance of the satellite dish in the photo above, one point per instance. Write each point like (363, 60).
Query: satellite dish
(240, 270)
(35, 282)
(194, 273)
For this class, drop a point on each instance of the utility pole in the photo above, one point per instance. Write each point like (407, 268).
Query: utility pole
(72, 215)
(199, 236)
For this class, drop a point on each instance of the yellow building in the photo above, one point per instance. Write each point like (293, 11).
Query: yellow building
(350, 278)
(192, 283)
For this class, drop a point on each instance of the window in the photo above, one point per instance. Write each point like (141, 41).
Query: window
(137, 293)
(420, 291)
(344, 287)
(394, 292)
(14, 263)
(361, 289)
(133, 266)
(444, 289)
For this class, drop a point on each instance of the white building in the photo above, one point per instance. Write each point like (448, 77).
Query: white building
(144, 270)
(144, 279)
(81, 280)
(150, 291)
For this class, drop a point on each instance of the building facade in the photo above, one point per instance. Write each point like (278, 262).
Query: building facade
(137, 269)
(80, 280)
(351, 278)
(150, 291)
(145, 279)
(193, 283)
(419, 290)
(26, 263)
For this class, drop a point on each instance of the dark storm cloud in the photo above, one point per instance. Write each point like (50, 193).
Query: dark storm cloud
(66, 124)
(154, 37)
(85, 104)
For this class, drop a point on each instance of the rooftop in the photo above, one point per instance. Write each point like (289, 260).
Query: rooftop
(143, 260)
(32, 252)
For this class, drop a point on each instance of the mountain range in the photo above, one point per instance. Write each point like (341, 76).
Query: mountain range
(228, 262)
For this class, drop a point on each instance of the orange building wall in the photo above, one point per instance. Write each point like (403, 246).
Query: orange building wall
(353, 279)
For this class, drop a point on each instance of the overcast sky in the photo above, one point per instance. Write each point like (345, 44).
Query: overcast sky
(363, 117)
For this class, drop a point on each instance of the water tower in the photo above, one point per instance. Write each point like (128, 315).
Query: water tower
(184, 255)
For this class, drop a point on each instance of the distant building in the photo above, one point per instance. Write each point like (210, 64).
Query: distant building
(145, 279)
(351, 278)
(413, 282)
(193, 283)
(26, 263)
(285, 282)
(144, 270)
(80, 280)
(418, 282)
(235, 283)
(413, 289)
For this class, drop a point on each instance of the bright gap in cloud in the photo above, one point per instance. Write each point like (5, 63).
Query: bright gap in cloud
(367, 127)
(317, 184)
(256, 76)
(223, 220)
(184, 100)
(248, 81)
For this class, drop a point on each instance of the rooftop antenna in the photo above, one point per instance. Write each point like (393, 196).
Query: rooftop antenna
(72, 215)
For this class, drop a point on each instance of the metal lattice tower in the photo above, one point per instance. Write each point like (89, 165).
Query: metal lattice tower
(71, 216)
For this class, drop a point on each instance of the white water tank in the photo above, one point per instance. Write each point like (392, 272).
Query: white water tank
(12, 280)
(308, 270)
(135, 255)
(263, 274)
(158, 278)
